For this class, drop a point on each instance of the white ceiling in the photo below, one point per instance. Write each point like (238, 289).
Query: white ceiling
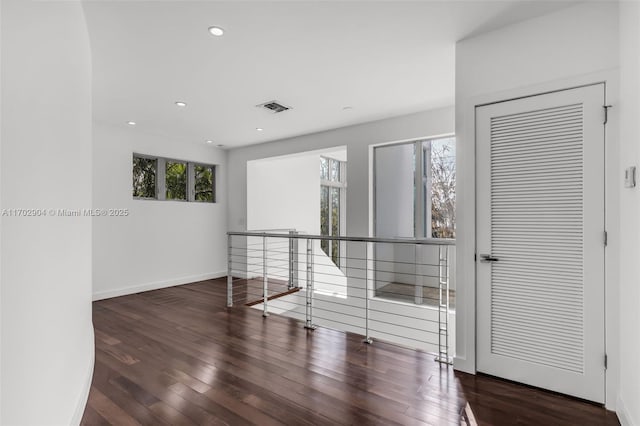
(381, 58)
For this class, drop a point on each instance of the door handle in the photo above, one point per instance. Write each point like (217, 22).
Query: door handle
(487, 258)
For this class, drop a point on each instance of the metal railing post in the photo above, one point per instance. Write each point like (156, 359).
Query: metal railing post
(229, 273)
(309, 308)
(293, 261)
(265, 311)
(367, 339)
(443, 305)
(447, 281)
(418, 291)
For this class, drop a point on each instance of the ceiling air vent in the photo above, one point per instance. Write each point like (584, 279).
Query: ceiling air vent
(273, 106)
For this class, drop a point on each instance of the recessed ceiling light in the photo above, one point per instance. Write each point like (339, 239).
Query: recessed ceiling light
(131, 123)
(216, 31)
(181, 104)
(209, 142)
(259, 129)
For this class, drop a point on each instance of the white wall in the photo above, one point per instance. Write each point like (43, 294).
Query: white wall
(160, 243)
(47, 335)
(0, 216)
(577, 45)
(629, 110)
(284, 193)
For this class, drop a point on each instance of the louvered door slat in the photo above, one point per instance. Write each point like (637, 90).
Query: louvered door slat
(518, 166)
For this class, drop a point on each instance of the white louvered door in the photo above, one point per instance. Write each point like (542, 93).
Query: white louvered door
(540, 241)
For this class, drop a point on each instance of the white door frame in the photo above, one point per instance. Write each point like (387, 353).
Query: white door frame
(465, 359)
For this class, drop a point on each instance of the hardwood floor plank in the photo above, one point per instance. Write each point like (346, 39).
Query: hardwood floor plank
(225, 406)
(104, 337)
(171, 415)
(179, 356)
(139, 394)
(109, 410)
(92, 418)
(123, 400)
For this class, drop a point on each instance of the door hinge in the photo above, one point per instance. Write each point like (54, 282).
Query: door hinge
(606, 113)
(475, 257)
(606, 361)
(606, 238)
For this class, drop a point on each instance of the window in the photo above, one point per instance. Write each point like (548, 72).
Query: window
(332, 192)
(176, 180)
(415, 189)
(442, 188)
(204, 183)
(168, 179)
(144, 177)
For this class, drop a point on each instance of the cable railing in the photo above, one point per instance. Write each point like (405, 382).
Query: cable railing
(392, 289)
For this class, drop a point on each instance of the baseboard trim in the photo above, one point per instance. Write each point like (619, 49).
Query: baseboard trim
(462, 364)
(138, 288)
(245, 276)
(84, 394)
(623, 414)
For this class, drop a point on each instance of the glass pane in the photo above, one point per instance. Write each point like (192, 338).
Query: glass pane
(204, 183)
(425, 218)
(394, 191)
(144, 177)
(426, 190)
(324, 168)
(443, 188)
(425, 157)
(334, 170)
(335, 211)
(176, 180)
(335, 224)
(324, 216)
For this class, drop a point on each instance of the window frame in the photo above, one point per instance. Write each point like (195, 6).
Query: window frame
(422, 226)
(187, 183)
(191, 179)
(161, 179)
(146, 157)
(341, 185)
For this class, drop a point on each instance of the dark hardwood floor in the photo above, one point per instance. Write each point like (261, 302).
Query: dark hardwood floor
(178, 356)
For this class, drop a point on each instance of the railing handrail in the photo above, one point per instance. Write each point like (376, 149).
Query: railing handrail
(418, 241)
(272, 230)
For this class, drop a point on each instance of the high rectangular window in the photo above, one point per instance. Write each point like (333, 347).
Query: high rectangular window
(176, 180)
(324, 217)
(204, 183)
(169, 179)
(442, 188)
(144, 177)
(332, 194)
